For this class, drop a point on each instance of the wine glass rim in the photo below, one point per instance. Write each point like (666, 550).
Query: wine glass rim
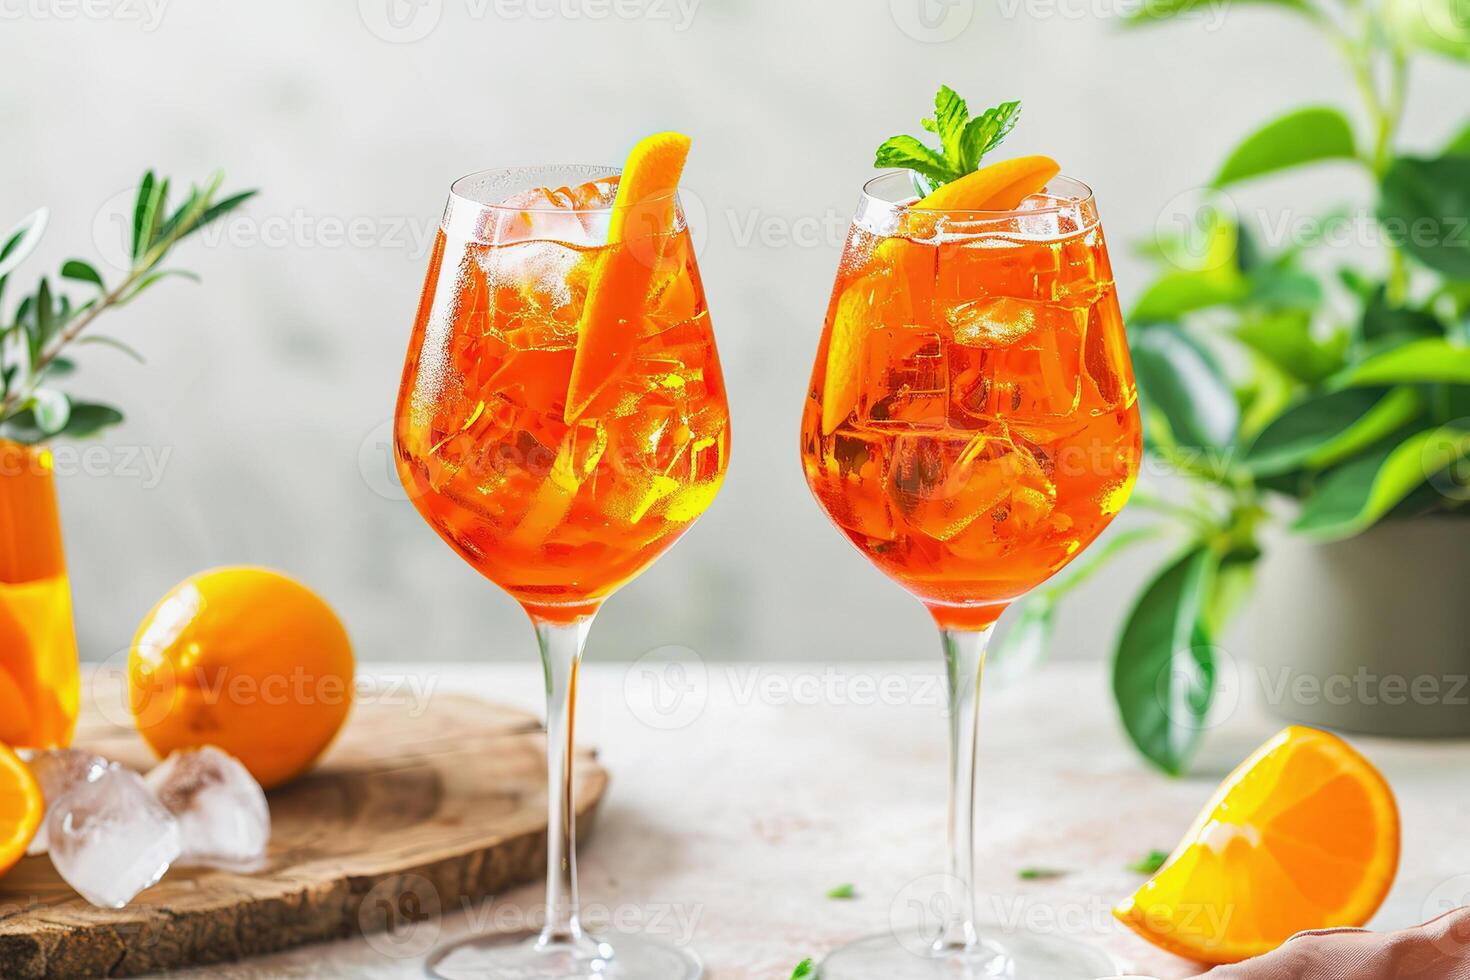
(1081, 198)
(460, 191)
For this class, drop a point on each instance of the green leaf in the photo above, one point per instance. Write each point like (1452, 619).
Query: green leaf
(985, 132)
(1428, 360)
(80, 271)
(145, 213)
(153, 278)
(1382, 320)
(1351, 498)
(1440, 26)
(1285, 339)
(1230, 586)
(1040, 874)
(1304, 136)
(950, 116)
(114, 343)
(908, 153)
(52, 410)
(60, 367)
(1174, 294)
(22, 428)
(963, 140)
(215, 211)
(1328, 428)
(1423, 208)
(1282, 287)
(1164, 670)
(1161, 10)
(89, 418)
(843, 892)
(45, 322)
(1150, 863)
(22, 240)
(803, 969)
(1460, 145)
(1179, 380)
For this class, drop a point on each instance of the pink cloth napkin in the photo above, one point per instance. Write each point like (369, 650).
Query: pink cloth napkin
(1437, 950)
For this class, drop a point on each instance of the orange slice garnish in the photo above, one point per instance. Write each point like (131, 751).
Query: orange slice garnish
(999, 187)
(1303, 835)
(21, 808)
(642, 219)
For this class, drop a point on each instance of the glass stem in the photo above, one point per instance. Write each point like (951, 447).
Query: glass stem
(964, 662)
(561, 657)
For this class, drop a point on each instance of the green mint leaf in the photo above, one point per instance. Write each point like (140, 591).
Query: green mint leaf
(950, 116)
(803, 969)
(963, 140)
(908, 153)
(984, 133)
(1150, 862)
(1040, 874)
(843, 891)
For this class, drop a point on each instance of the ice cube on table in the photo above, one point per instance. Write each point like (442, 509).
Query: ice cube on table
(224, 820)
(59, 771)
(110, 837)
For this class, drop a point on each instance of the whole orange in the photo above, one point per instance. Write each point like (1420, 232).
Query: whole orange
(245, 659)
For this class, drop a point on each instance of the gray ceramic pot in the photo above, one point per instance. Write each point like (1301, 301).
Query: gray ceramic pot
(1368, 635)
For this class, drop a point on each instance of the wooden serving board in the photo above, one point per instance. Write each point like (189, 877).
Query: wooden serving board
(407, 811)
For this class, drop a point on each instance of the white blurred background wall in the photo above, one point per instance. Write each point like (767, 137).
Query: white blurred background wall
(258, 430)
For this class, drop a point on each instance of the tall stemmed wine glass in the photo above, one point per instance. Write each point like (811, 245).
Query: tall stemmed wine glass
(562, 421)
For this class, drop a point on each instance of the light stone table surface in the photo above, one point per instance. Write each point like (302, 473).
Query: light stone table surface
(741, 793)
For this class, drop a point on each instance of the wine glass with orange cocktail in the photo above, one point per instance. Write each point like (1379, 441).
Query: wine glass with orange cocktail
(971, 427)
(561, 422)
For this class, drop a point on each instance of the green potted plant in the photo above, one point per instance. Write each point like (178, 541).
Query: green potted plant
(1315, 401)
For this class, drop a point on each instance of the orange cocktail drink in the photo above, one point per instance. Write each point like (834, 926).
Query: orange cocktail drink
(39, 686)
(561, 422)
(971, 423)
(560, 503)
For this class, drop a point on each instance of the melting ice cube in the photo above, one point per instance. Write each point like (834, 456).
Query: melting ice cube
(110, 838)
(59, 771)
(223, 817)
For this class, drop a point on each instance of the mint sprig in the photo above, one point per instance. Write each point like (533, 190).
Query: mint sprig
(963, 140)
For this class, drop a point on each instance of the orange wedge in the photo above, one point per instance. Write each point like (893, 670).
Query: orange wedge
(642, 218)
(1304, 835)
(999, 187)
(852, 321)
(21, 808)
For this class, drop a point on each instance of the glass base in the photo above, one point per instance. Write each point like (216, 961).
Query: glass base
(518, 957)
(1003, 955)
